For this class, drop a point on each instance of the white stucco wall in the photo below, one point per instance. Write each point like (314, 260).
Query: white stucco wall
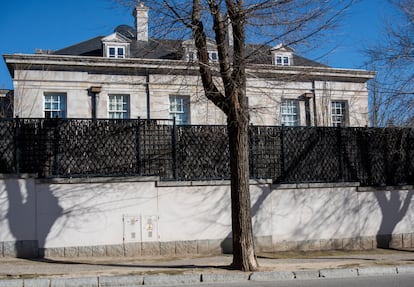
(18, 209)
(313, 214)
(89, 214)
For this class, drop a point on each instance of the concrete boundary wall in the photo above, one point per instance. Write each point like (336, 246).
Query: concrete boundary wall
(140, 216)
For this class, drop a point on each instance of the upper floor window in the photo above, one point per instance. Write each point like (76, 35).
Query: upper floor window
(282, 60)
(118, 106)
(116, 52)
(191, 56)
(339, 113)
(55, 105)
(282, 55)
(290, 112)
(116, 45)
(212, 56)
(180, 109)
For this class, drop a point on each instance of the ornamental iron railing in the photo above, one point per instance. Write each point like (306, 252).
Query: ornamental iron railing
(90, 148)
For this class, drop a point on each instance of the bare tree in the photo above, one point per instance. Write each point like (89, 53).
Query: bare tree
(233, 25)
(392, 93)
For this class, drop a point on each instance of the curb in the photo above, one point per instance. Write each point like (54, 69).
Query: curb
(198, 278)
(272, 276)
(225, 277)
(171, 279)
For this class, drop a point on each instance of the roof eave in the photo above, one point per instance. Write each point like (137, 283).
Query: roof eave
(63, 60)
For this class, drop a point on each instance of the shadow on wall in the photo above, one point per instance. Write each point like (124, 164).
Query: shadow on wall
(393, 211)
(263, 194)
(22, 217)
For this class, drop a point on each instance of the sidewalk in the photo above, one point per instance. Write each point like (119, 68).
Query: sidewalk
(189, 270)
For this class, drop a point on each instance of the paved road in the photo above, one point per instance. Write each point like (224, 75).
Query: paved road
(406, 280)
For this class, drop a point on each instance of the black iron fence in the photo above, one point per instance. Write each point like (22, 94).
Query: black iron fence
(86, 148)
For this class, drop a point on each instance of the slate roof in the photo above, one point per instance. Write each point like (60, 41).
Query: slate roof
(91, 47)
(168, 49)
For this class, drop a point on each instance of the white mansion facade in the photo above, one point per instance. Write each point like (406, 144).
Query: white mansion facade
(129, 75)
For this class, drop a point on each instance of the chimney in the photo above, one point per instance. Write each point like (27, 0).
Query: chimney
(230, 40)
(141, 21)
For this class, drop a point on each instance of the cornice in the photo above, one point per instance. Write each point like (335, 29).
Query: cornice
(33, 61)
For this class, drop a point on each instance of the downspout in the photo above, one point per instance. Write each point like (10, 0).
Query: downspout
(307, 112)
(147, 91)
(93, 91)
(315, 118)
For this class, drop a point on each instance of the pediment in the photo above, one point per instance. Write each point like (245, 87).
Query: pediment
(282, 48)
(115, 38)
(190, 43)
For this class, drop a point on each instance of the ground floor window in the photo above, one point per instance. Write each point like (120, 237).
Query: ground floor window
(338, 112)
(118, 106)
(55, 105)
(289, 110)
(180, 109)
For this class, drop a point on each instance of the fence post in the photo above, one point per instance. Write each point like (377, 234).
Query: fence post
(251, 149)
(409, 170)
(17, 145)
(282, 153)
(366, 158)
(56, 139)
(174, 150)
(340, 151)
(138, 146)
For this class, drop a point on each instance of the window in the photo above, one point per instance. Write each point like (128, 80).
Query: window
(282, 60)
(212, 56)
(118, 106)
(192, 56)
(180, 109)
(116, 52)
(55, 105)
(338, 111)
(290, 112)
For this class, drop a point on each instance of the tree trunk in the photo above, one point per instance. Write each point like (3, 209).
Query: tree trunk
(244, 257)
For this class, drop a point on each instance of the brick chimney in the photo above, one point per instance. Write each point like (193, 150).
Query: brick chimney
(141, 21)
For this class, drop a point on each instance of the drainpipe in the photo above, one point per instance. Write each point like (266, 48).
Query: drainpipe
(307, 96)
(147, 91)
(315, 118)
(307, 112)
(93, 91)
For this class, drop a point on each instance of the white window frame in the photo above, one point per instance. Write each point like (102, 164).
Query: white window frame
(116, 50)
(179, 107)
(212, 56)
(282, 60)
(290, 112)
(118, 106)
(54, 105)
(339, 113)
(192, 56)
(211, 59)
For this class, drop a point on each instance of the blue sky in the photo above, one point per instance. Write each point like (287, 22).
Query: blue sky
(49, 24)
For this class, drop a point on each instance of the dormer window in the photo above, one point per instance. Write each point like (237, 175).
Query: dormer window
(116, 52)
(282, 55)
(212, 56)
(192, 56)
(282, 60)
(116, 46)
(190, 51)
